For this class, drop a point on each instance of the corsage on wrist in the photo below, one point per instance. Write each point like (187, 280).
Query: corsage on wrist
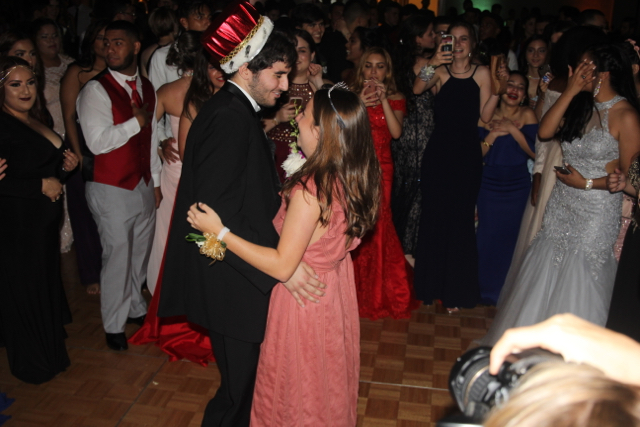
(211, 245)
(426, 73)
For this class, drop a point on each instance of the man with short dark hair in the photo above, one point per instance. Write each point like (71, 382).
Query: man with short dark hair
(310, 18)
(117, 115)
(593, 17)
(356, 14)
(228, 164)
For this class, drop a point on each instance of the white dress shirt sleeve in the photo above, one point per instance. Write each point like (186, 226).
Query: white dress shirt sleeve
(96, 119)
(101, 135)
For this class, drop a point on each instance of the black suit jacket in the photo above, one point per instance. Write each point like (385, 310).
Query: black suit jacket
(229, 166)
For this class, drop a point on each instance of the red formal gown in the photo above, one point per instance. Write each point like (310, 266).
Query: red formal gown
(176, 336)
(309, 364)
(384, 279)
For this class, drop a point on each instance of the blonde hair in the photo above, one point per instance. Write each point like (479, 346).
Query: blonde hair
(557, 394)
(389, 81)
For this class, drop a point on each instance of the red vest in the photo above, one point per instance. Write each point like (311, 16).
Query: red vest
(126, 165)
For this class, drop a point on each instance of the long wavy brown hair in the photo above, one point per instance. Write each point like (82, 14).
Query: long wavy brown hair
(389, 80)
(344, 165)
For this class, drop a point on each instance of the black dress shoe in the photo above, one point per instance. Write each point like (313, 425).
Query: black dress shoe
(117, 342)
(136, 320)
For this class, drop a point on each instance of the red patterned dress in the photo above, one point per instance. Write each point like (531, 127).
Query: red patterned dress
(384, 280)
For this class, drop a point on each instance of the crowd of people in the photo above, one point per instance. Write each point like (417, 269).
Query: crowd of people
(465, 159)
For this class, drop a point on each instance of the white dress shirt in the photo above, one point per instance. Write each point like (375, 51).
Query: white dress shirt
(96, 119)
(159, 72)
(254, 104)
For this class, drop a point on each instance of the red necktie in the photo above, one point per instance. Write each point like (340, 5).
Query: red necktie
(135, 96)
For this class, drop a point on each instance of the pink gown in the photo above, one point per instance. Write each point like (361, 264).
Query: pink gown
(169, 179)
(309, 364)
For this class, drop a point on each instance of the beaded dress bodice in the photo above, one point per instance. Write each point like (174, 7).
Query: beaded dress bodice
(283, 131)
(586, 221)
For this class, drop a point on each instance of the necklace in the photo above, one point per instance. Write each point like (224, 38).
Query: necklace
(465, 71)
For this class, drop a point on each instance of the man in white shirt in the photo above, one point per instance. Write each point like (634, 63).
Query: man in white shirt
(117, 115)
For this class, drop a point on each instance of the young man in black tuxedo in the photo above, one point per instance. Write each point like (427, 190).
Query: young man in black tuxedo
(228, 164)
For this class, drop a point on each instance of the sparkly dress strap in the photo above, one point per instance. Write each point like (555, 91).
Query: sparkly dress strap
(610, 103)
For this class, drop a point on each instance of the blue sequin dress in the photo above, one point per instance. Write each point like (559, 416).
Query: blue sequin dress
(570, 266)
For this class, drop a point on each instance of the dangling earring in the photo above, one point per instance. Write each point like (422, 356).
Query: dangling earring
(596, 91)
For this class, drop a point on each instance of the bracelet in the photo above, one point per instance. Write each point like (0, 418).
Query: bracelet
(486, 144)
(426, 73)
(222, 233)
(213, 247)
(589, 185)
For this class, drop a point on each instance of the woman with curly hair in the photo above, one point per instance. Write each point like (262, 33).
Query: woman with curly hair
(383, 277)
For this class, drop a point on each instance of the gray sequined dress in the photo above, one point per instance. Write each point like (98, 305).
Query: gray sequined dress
(570, 266)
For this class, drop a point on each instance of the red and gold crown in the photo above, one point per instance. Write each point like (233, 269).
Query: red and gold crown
(237, 35)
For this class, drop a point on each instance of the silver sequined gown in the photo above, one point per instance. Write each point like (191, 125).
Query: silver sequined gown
(570, 266)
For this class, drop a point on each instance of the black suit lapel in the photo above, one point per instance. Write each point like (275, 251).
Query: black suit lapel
(235, 90)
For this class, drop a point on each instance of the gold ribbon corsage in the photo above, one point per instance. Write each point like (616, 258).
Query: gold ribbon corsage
(210, 245)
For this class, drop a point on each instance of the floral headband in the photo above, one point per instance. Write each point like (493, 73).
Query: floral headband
(4, 74)
(339, 86)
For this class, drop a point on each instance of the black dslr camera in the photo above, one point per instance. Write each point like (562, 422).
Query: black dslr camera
(476, 391)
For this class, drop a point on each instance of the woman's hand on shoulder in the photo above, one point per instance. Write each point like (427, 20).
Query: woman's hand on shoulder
(203, 218)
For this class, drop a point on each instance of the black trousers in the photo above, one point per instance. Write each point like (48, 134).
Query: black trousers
(238, 362)
(624, 312)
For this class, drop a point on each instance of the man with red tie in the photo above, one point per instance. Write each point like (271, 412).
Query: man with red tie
(116, 110)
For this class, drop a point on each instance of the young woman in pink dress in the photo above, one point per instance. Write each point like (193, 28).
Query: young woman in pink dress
(384, 280)
(310, 358)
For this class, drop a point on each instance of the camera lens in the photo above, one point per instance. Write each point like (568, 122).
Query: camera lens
(476, 391)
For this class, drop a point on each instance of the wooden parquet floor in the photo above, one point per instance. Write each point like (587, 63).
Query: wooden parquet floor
(405, 365)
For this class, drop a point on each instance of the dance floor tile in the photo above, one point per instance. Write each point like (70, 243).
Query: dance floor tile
(404, 373)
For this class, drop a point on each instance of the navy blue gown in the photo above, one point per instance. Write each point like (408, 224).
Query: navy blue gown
(447, 256)
(504, 192)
